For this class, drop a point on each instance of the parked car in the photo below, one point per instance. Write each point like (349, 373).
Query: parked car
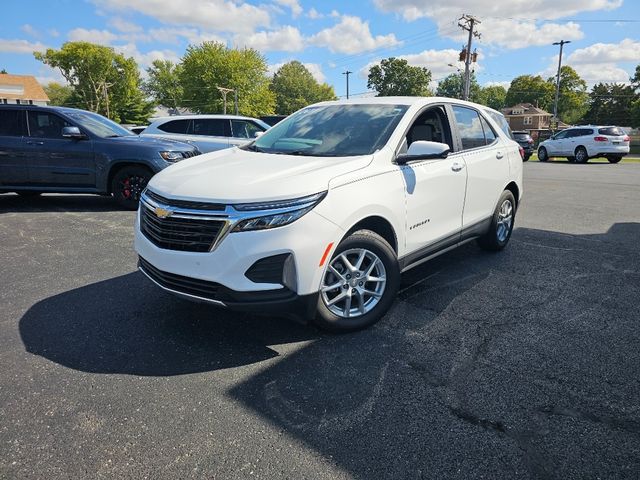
(272, 119)
(137, 129)
(66, 150)
(526, 142)
(320, 215)
(579, 144)
(208, 132)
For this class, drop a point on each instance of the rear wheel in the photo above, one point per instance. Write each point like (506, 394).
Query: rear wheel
(614, 159)
(527, 156)
(542, 154)
(359, 284)
(501, 227)
(128, 184)
(581, 155)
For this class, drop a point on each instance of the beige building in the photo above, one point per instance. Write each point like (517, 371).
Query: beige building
(526, 116)
(21, 90)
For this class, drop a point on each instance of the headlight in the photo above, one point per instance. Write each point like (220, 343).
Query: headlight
(276, 214)
(171, 156)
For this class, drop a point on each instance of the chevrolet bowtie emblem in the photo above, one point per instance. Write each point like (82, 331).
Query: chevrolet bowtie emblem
(162, 212)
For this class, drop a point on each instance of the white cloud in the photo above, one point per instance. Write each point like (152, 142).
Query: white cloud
(53, 32)
(20, 46)
(173, 35)
(351, 35)
(314, 68)
(212, 15)
(145, 59)
(294, 5)
(285, 39)
(313, 14)
(507, 24)
(30, 30)
(103, 37)
(505, 84)
(124, 25)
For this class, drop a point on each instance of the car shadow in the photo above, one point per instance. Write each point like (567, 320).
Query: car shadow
(10, 202)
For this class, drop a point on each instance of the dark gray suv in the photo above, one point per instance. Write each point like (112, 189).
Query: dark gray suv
(66, 150)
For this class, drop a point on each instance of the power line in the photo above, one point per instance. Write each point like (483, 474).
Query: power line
(467, 23)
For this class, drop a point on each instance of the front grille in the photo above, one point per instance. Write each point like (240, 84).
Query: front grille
(177, 233)
(217, 207)
(178, 283)
(190, 154)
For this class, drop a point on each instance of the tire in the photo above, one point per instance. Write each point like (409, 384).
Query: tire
(526, 158)
(571, 159)
(542, 154)
(499, 232)
(379, 261)
(614, 159)
(127, 185)
(581, 155)
(29, 193)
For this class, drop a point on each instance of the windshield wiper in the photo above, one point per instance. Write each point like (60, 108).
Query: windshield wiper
(251, 147)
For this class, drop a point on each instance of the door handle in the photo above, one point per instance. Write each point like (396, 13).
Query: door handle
(499, 155)
(30, 142)
(456, 167)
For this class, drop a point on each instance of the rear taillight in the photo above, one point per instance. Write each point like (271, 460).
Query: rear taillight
(521, 152)
(601, 139)
(626, 139)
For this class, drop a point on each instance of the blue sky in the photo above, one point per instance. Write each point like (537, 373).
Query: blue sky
(333, 36)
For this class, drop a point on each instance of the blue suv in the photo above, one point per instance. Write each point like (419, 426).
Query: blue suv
(66, 150)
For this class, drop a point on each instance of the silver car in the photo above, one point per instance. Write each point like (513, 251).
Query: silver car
(207, 132)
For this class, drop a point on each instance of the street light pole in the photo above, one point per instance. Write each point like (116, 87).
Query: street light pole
(555, 103)
(347, 73)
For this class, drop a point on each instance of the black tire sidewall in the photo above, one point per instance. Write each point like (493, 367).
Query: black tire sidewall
(614, 159)
(545, 157)
(121, 175)
(327, 320)
(490, 241)
(586, 157)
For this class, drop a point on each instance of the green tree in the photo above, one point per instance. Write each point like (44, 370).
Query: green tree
(493, 96)
(102, 80)
(573, 99)
(635, 106)
(611, 103)
(59, 95)
(295, 88)
(3, 71)
(452, 86)
(531, 89)
(394, 76)
(163, 83)
(210, 65)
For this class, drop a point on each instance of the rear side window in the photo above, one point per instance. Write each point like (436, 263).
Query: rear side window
(46, 125)
(244, 129)
(470, 127)
(11, 123)
(611, 131)
(502, 123)
(175, 126)
(216, 127)
(489, 134)
(584, 131)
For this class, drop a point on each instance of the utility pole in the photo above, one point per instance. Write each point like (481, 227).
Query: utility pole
(224, 92)
(235, 99)
(468, 22)
(555, 103)
(347, 73)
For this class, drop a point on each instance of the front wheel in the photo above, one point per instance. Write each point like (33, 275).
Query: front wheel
(502, 221)
(581, 155)
(542, 154)
(359, 284)
(128, 184)
(615, 159)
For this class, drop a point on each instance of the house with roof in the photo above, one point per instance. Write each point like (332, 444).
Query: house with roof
(21, 90)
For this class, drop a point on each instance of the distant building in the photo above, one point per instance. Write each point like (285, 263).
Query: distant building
(21, 90)
(526, 116)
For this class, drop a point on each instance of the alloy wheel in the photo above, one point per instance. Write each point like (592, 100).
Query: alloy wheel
(505, 220)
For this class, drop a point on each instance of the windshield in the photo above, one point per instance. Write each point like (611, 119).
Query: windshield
(99, 125)
(332, 131)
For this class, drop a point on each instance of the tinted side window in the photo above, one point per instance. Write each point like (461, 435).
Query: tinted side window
(583, 131)
(470, 128)
(611, 131)
(175, 126)
(216, 127)
(11, 123)
(502, 123)
(563, 134)
(244, 129)
(489, 134)
(46, 125)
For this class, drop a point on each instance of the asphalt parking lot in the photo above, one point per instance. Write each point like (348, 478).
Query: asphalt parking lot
(523, 364)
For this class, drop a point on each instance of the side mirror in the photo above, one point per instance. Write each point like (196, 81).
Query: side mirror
(72, 132)
(423, 150)
(258, 134)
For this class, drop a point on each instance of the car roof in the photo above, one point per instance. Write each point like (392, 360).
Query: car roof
(402, 101)
(44, 107)
(201, 116)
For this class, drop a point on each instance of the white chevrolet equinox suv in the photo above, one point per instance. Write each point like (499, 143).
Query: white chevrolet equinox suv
(319, 216)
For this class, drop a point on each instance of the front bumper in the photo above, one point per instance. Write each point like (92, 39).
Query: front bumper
(280, 301)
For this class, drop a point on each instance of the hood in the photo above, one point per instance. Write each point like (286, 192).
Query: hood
(153, 142)
(240, 176)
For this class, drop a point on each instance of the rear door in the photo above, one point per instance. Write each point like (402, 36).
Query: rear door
(54, 160)
(211, 133)
(13, 162)
(487, 163)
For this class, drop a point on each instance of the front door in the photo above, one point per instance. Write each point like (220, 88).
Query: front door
(54, 160)
(435, 189)
(13, 163)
